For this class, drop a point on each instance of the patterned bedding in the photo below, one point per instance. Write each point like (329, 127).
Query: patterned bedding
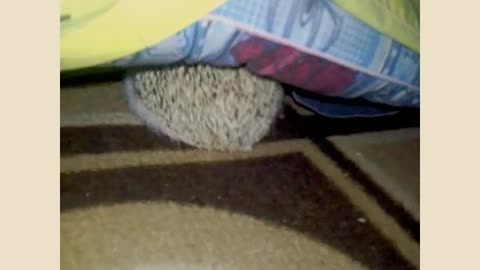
(310, 44)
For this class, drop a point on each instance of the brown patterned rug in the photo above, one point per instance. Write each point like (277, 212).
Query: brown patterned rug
(131, 200)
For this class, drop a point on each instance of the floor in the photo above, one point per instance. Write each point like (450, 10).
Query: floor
(315, 193)
(391, 159)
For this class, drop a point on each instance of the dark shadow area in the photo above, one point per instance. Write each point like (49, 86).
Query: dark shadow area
(90, 75)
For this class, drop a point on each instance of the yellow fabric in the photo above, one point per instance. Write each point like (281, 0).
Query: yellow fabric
(94, 32)
(399, 19)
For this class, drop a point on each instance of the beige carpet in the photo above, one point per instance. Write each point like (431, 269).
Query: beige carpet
(131, 200)
(391, 159)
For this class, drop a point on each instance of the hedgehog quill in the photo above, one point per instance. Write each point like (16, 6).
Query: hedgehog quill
(206, 107)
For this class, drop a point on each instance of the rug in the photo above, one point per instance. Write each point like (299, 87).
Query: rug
(391, 159)
(132, 200)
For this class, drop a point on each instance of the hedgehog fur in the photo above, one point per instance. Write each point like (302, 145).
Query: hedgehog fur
(207, 107)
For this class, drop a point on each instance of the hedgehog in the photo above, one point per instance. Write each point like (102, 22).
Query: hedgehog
(212, 108)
